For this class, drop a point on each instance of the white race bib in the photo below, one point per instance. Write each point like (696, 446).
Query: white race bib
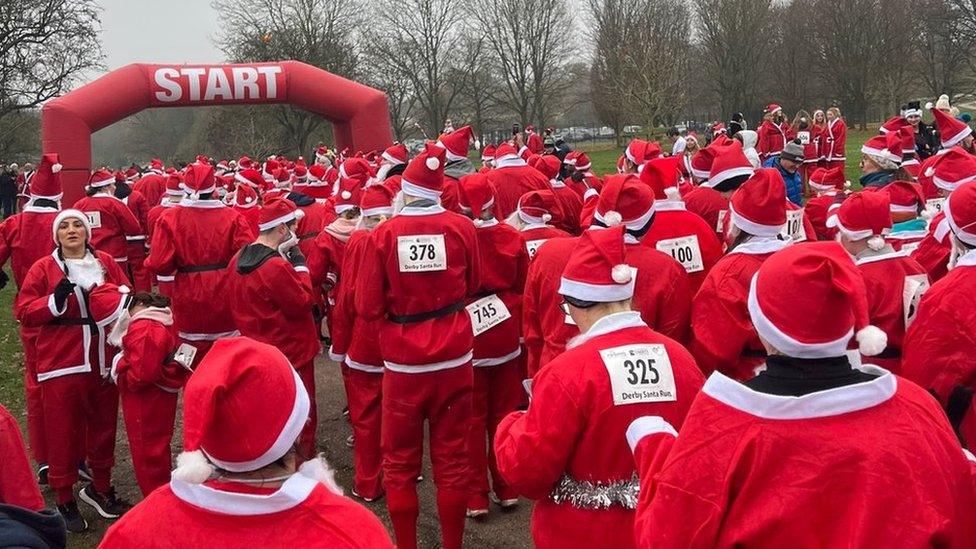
(804, 137)
(421, 253)
(684, 250)
(720, 225)
(533, 246)
(486, 313)
(184, 356)
(639, 373)
(94, 219)
(910, 247)
(915, 287)
(935, 204)
(794, 226)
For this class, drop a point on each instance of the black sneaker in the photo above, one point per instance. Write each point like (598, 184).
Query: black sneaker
(42, 474)
(108, 505)
(73, 520)
(84, 473)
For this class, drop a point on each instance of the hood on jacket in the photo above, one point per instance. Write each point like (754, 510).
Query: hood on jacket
(459, 168)
(253, 256)
(21, 527)
(749, 138)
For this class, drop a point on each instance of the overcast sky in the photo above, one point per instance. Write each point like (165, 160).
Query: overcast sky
(171, 31)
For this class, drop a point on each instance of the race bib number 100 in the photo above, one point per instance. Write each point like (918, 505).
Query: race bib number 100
(684, 250)
(639, 373)
(794, 229)
(421, 253)
(486, 313)
(94, 219)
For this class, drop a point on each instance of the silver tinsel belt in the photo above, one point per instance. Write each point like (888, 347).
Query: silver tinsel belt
(596, 495)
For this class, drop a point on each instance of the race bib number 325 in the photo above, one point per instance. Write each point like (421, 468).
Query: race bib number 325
(639, 373)
(421, 253)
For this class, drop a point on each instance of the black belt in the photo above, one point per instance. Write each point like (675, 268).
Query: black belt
(202, 268)
(62, 321)
(889, 352)
(430, 315)
(753, 353)
(306, 236)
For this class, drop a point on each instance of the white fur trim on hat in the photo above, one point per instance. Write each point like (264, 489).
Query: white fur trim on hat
(193, 468)
(597, 293)
(416, 190)
(287, 218)
(70, 214)
(871, 340)
(753, 228)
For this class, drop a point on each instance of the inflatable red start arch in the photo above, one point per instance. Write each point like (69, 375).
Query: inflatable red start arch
(359, 114)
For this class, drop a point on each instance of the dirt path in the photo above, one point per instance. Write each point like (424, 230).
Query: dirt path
(508, 530)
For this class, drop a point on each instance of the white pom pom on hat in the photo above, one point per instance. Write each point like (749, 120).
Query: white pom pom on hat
(346, 195)
(876, 242)
(871, 340)
(432, 163)
(193, 467)
(612, 218)
(546, 218)
(621, 273)
(55, 168)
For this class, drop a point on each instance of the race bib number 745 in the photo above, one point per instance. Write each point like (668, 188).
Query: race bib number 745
(421, 253)
(486, 313)
(639, 373)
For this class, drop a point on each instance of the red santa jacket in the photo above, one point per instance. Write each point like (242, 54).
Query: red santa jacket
(68, 342)
(710, 205)
(139, 207)
(934, 249)
(355, 341)
(152, 186)
(772, 138)
(572, 439)
(272, 302)
(685, 237)
(303, 512)
(449, 195)
(937, 352)
(18, 486)
(415, 279)
(250, 214)
(194, 242)
(827, 469)
(895, 284)
(723, 337)
(112, 224)
(25, 238)
(570, 207)
(504, 262)
(146, 360)
(510, 183)
(534, 236)
(835, 141)
(315, 218)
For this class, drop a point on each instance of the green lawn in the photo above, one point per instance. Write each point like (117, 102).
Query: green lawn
(11, 356)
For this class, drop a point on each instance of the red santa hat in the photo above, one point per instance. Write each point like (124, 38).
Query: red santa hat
(953, 168)
(244, 163)
(952, 131)
(488, 154)
(718, 128)
(245, 196)
(829, 179)
(597, 270)
(424, 176)
(100, 178)
(904, 196)
(250, 177)
(223, 166)
(199, 179)
(960, 213)
(456, 143)
(506, 155)
(476, 195)
(639, 151)
(156, 166)
(700, 164)
(887, 147)
(625, 200)
(349, 195)
(537, 207)
(131, 174)
(578, 160)
(316, 175)
(662, 176)
(356, 168)
(174, 185)
(772, 108)
(396, 154)
(276, 212)
(377, 200)
(894, 124)
(269, 170)
(729, 162)
(243, 408)
(70, 213)
(809, 299)
(300, 173)
(864, 215)
(549, 166)
(758, 207)
(45, 182)
(106, 303)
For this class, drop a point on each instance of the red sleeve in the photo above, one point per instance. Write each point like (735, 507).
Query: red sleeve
(761, 146)
(162, 255)
(127, 220)
(674, 307)
(531, 320)
(35, 301)
(651, 443)
(474, 259)
(294, 295)
(840, 136)
(243, 234)
(5, 229)
(144, 350)
(371, 291)
(113, 273)
(319, 261)
(18, 485)
(344, 313)
(719, 331)
(937, 351)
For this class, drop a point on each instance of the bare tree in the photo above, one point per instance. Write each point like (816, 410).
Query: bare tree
(45, 45)
(947, 36)
(399, 94)
(478, 103)
(794, 81)
(317, 32)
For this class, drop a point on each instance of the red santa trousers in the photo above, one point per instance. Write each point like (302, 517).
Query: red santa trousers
(80, 417)
(32, 388)
(306, 440)
(364, 392)
(497, 391)
(443, 399)
(141, 277)
(149, 415)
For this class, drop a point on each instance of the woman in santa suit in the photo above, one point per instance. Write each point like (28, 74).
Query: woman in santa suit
(724, 338)
(113, 225)
(835, 140)
(569, 450)
(239, 480)
(818, 135)
(811, 452)
(80, 406)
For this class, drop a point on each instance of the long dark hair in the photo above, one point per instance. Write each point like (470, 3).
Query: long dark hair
(147, 299)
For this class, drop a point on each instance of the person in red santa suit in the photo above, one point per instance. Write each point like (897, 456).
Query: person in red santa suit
(135, 245)
(533, 141)
(246, 200)
(458, 165)
(535, 211)
(728, 169)
(318, 187)
(638, 153)
(829, 188)
(273, 297)
(240, 479)
(809, 420)
(835, 140)
(662, 296)
(512, 178)
(487, 158)
(684, 236)
(773, 133)
(953, 132)
(392, 162)
(568, 451)
(194, 243)
(355, 345)
(24, 240)
(723, 337)
(570, 203)
(578, 174)
(113, 223)
(173, 195)
(937, 348)
(17, 483)
(895, 282)
(908, 215)
(152, 185)
(80, 407)
(944, 172)
(495, 318)
(414, 281)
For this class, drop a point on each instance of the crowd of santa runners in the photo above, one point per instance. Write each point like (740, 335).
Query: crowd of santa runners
(724, 343)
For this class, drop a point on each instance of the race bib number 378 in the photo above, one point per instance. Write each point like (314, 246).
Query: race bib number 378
(421, 253)
(639, 373)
